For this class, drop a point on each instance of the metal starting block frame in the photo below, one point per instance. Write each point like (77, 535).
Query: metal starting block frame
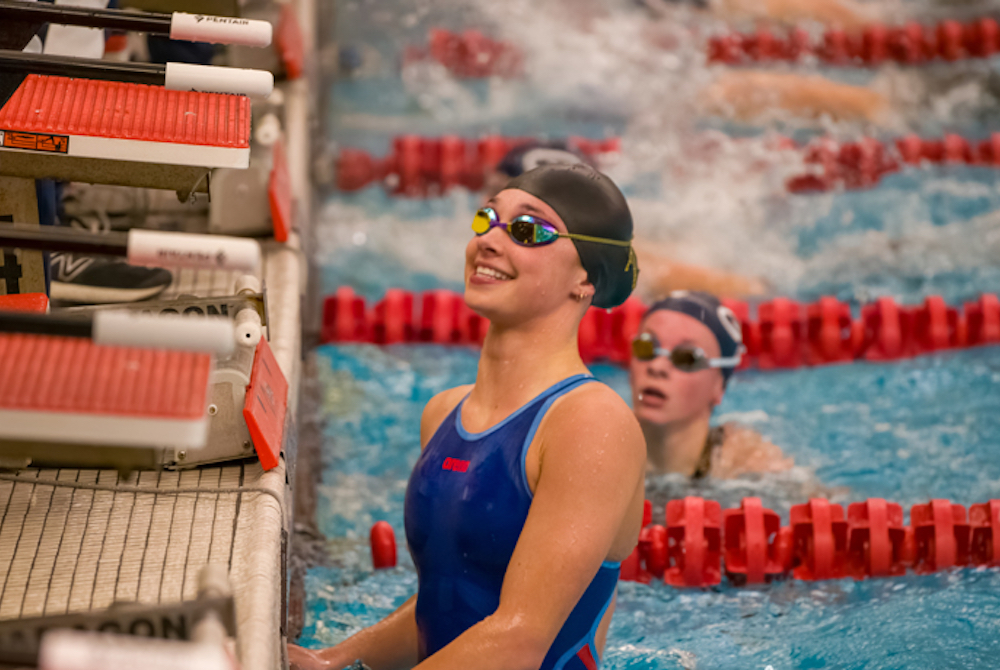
(190, 305)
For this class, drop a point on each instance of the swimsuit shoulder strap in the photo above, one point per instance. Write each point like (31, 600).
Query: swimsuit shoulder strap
(716, 436)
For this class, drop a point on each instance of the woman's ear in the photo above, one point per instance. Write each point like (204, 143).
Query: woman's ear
(583, 285)
(719, 391)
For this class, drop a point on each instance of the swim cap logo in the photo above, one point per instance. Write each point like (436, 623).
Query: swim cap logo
(730, 323)
(634, 265)
(546, 156)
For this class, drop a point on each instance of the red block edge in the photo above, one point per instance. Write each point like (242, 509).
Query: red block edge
(25, 302)
(265, 406)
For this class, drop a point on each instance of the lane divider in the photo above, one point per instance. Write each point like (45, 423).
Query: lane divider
(427, 166)
(423, 167)
(700, 542)
(908, 44)
(469, 54)
(782, 333)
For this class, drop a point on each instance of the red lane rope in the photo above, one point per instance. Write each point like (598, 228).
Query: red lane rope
(469, 54)
(782, 334)
(862, 164)
(426, 166)
(909, 44)
(700, 541)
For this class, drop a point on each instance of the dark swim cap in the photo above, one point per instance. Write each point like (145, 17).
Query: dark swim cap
(699, 4)
(710, 311)
(589, 203)
(535, 153)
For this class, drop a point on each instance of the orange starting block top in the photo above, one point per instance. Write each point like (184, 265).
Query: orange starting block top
(60, 389)
(113, 120)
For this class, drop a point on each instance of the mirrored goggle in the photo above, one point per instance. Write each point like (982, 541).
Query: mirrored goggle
(684, 357)
(527, 231)
(530, 231)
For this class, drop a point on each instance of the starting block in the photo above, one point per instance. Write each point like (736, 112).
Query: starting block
(118, 133)
(71, 400)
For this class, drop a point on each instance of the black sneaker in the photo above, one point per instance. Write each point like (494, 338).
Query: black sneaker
(96, 279)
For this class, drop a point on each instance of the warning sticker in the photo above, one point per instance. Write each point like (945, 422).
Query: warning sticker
(47, 142)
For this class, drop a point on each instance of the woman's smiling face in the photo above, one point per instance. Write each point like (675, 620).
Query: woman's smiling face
(507, 282)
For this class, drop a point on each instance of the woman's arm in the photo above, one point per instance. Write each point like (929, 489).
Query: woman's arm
(842, 13)
(660, 276)
(751, 94)
(587, 507)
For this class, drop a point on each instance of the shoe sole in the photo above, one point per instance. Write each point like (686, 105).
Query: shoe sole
(99, 294)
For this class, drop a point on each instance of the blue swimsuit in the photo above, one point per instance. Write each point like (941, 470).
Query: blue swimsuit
(466, 503)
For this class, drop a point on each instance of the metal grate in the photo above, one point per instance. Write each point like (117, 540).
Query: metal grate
(66, 550)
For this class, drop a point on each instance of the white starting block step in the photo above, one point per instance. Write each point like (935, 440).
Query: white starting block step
(118, 133)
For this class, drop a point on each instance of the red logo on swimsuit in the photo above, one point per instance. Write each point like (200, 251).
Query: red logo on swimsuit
(455, 465)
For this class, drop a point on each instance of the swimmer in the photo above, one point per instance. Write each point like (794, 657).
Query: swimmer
(760, 96)
(529, 489)
(660, 273)
(843, 13)
(687, 348)
(897, 98)
(757, 96)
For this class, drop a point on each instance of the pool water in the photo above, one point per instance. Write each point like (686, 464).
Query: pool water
(905, 432)
(908, 431)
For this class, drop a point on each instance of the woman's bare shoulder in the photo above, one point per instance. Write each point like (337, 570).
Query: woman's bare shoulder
(597, 395)
(438, 408)
(745, 450)
(596, 412)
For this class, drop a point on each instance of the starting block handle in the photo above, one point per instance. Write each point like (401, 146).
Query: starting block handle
(210, 252)
(164, 331)
(209, 79)
(120, 328)
(220, 29)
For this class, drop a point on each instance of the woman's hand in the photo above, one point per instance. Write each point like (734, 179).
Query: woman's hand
(300, 658)
(391, 644)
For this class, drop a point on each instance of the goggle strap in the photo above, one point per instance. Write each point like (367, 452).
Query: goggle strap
(599, 240)
(633, 264)
(730, 362)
